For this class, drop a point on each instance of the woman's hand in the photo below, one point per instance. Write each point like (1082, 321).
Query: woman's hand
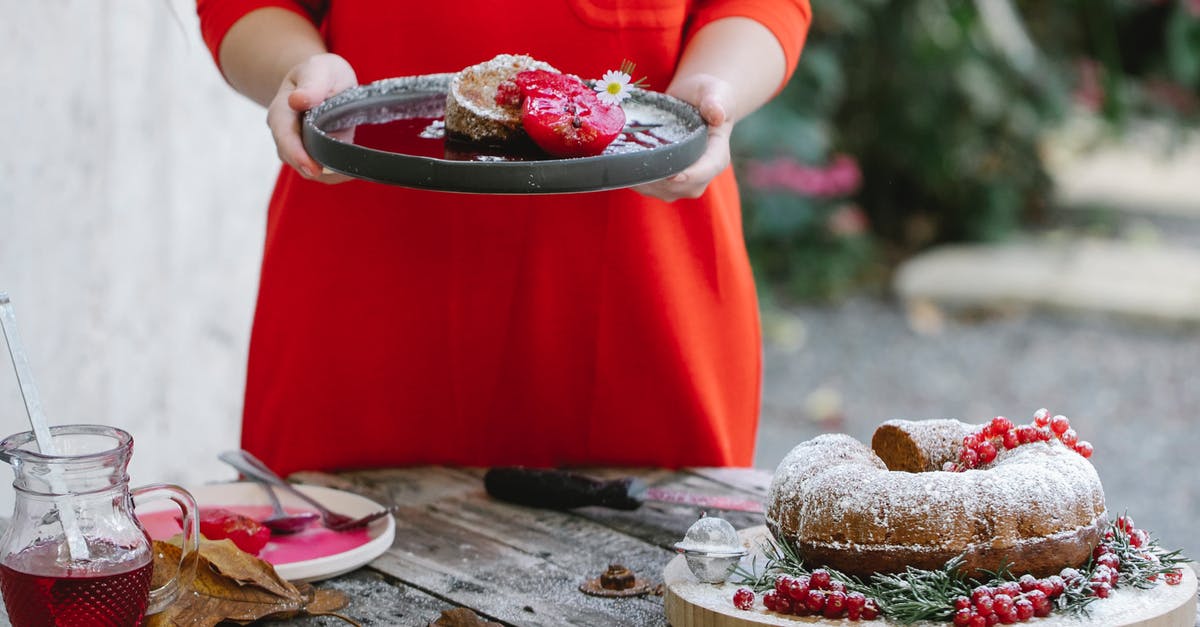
(305, 86)
(715, 100)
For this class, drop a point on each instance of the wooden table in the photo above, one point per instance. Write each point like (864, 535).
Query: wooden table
(457, 547)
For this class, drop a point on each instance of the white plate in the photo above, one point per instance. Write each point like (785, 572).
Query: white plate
(379, 532)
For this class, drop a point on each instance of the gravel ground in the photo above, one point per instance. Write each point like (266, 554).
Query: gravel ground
(1132, 390)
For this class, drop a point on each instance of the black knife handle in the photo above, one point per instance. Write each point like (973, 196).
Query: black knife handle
(559, 489)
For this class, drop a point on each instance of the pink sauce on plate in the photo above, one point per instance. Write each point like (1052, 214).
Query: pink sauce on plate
(314, 542)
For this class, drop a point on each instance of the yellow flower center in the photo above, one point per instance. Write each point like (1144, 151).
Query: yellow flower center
(614, 88)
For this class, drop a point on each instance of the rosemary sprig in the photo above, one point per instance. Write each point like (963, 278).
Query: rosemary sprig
(916, 595)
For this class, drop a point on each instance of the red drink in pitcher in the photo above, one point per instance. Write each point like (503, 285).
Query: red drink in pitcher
(104, 592)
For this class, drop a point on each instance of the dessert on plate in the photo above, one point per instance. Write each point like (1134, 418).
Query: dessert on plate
(1037, 507)
(514, 98)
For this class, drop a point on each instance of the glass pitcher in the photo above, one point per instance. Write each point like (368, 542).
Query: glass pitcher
(92, 564)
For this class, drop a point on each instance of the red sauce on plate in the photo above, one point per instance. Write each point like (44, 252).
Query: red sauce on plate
(314, 542)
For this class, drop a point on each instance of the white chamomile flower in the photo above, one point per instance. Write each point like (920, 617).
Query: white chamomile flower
(614, 87)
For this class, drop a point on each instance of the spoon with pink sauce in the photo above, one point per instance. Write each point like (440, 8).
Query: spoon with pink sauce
(280, 522)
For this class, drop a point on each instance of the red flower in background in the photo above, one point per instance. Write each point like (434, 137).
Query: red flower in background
(840, 178)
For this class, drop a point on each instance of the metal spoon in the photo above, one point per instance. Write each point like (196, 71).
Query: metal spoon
(281, 522)
(250, 466)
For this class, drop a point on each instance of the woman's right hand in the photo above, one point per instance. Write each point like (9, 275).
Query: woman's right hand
(305, 86)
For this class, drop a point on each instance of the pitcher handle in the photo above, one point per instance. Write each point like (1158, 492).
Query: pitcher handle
(165, 594)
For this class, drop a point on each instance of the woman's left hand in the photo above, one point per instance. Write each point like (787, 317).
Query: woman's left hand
(715, 100)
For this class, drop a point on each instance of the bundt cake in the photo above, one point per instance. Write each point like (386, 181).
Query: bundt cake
(472, 110)
(1037, 508)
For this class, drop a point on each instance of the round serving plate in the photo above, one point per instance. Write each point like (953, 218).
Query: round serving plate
(689, 603)
(388, 132)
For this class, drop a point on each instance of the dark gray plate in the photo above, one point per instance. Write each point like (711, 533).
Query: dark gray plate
(389, 132)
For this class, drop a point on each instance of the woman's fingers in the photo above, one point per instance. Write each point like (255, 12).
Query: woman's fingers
(306, 86)
(713, 97)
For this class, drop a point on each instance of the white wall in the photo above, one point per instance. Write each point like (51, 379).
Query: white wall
(133, 186)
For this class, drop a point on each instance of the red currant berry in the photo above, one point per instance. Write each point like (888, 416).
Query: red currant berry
(962, 603)
(1125, 523)
(797, 589)
(984, 605)
(1008, 616)
(855, 600)
(1059, 584)
(978, 621)
(1026, 434)
(968, 458)
(1025, 609)
(815, 601)
(1011, 588)
(1069, 437)
(987, 452)
(870, 610)
(950, 467)
(1044, 434)
(1059, 424)
(835, 604)
(1139, 538)
(1001, 602)
(1084, 448)
(1000, 424)
(1011, 439)
(1069, 575)
(980, 592)
(1102, 589)
(743, 599)
(819, 579)
(837, 586)
(1027, 582)
(991, 619)
(972, 440)
(770, 600)
(853, 614)
(962, 618)
(782, 583)
(1174, 577)
(1110, 560)
(1041, 417)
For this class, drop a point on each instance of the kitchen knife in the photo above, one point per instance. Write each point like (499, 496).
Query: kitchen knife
(560, 489)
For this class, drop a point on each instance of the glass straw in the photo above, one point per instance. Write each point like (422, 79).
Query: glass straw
(76, 545)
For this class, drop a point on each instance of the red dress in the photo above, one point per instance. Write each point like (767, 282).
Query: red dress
(398, 326)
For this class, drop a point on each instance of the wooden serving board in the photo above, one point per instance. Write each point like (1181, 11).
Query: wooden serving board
(689, 603)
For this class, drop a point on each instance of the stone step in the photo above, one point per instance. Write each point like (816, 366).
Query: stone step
(1146, 281)
(1152, 168)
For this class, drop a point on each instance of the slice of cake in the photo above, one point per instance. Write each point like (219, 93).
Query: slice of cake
(474, 114)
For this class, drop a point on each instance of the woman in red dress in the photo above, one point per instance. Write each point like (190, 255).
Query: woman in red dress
(397, 326)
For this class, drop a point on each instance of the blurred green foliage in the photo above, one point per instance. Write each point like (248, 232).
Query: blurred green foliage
(918, 122)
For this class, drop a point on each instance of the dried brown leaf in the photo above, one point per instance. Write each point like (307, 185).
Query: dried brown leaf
(461, 617)
(232, 585)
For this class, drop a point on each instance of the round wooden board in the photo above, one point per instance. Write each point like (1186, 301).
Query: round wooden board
(689, 603)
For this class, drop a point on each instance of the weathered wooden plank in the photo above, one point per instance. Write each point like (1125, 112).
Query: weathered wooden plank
(664, 524)
(755, 481)
(378, 600)
(436, 553)
(412, 487)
